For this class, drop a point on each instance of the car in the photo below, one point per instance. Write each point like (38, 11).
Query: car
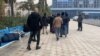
(75, 18)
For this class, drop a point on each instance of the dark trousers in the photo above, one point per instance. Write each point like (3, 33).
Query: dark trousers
(62, 30)
(32, 34)
(67, 28)
(34, 37)
(50, 27)
(80, 26)
(0, 42)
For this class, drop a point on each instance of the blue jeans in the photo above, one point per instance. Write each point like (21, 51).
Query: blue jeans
(57, 32)
(64, 30)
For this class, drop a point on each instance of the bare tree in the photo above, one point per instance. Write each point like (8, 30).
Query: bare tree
(11, 3)
(43, 7)
(29, 5)
(1, 9)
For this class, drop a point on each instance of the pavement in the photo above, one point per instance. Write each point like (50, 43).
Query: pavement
(85, 43)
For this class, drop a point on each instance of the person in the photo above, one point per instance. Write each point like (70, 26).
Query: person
(35, 24)
(45, 23)
(80, 19)
(66, 19)
(62, 32)
(57, 25)
(67, 22)
(51, 23)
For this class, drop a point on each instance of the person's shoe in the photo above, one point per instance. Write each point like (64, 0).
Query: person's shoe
(28, 48)
(61, 36)
(80, 30)
(38, 47)
(43, 33)
(77, 29)
(34, 40)
(57, 39)
(46, 32)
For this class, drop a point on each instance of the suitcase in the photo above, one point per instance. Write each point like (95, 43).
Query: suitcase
(53, 30)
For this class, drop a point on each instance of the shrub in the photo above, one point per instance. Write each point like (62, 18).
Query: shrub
(12, 21)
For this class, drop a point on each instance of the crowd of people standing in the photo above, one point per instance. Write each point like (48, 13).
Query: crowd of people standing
(59, 25)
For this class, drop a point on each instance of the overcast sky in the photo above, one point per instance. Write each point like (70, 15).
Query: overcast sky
(36, 1)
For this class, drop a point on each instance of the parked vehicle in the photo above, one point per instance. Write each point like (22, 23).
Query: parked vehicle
(75, 18)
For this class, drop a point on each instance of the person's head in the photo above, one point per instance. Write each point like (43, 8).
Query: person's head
(62, 13)
(80, 15)
(36, 10)
(52, 14)
(66, 14)
(58, 14)
(44, 14)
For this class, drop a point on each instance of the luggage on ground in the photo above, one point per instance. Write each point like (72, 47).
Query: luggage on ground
(10, 37)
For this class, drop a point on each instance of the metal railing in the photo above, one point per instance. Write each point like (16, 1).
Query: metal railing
(95, 22)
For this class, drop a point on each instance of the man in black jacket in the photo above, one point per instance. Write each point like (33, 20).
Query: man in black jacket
(80, 20)
(45, 23)
(65, 25)
(35, 25)
(67, 22)
(51, 18)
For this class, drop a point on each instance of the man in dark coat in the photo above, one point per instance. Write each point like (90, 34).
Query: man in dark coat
(45, 23)
(66, 19)
(62, 26)
(67, 22)
(51, 23)
(35, 25)
(80, 20)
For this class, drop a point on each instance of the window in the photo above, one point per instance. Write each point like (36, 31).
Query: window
(91, 1)
(62, 0)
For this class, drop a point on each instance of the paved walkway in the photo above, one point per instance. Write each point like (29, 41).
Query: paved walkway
(86, 43)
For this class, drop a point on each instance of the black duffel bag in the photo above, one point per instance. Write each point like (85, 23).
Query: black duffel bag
(26, 28)
(10, 37)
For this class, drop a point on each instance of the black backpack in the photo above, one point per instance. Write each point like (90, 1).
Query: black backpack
(26, 28)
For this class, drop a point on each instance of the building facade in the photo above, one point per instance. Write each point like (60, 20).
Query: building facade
(74, 7)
